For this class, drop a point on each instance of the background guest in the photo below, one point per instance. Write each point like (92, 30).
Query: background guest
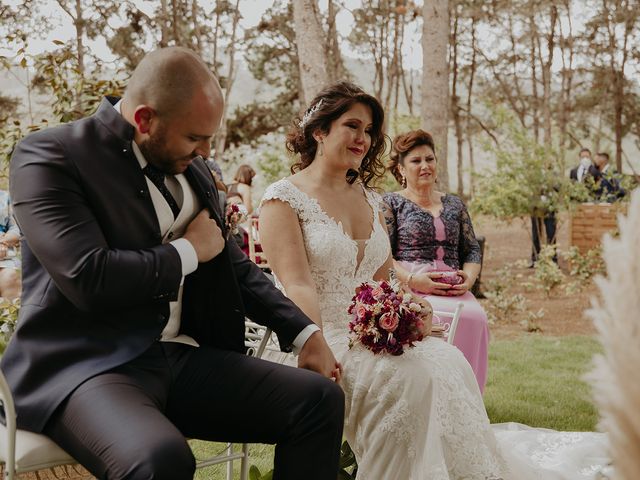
(242, 185)
(431, 233)
(10, 284)
(584, 168)
(608, 187)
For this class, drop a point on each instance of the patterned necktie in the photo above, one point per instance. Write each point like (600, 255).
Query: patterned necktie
(157, 177)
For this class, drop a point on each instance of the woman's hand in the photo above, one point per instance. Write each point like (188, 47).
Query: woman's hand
(463, 287)
(428, 317)
(425, 283)
(4, 249)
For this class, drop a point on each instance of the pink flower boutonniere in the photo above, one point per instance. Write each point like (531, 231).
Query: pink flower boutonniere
(236, 214)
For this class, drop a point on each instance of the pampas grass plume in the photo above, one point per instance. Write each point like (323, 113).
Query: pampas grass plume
(616, 375)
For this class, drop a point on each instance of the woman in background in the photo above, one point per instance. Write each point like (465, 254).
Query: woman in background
(242, 185)
(431, 233)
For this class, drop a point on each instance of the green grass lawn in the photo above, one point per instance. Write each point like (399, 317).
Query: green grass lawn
(538, 381)
(533, 380)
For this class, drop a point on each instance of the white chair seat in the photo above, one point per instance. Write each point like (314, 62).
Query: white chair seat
(33, 451)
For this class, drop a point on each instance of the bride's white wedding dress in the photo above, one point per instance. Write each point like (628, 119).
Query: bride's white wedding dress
(420, 415)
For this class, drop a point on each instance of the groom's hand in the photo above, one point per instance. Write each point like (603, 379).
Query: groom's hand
(205, 236)
(317, 356)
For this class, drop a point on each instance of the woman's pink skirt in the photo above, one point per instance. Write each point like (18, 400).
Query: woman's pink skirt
(472, 335)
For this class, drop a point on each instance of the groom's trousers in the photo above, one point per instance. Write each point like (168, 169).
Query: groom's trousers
(131, 422)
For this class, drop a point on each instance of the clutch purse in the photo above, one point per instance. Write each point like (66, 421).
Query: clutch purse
(449, 277)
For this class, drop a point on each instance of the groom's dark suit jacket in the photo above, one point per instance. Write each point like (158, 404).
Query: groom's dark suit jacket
(97, 281)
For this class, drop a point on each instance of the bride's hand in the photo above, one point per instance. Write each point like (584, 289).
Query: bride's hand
(428, 317)
(427, 283)
(317, 356)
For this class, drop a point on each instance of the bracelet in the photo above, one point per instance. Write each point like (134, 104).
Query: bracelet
(409, 278)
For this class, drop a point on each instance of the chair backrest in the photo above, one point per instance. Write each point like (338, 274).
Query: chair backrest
(450, 332)
(255, 249)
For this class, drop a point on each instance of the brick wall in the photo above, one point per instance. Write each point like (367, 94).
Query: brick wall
(590, 221)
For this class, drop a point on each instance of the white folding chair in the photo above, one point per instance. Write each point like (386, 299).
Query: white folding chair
(22, 451)
(450, 332)
(254, 241)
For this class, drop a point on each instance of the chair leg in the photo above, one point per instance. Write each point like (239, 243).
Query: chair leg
(230, 463)
(244, 463)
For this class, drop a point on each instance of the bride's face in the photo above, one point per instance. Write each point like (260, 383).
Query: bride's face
(349, 137)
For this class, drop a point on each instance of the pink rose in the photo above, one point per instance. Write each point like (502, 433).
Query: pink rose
(361, 311)
(377, 292)
(389, 321)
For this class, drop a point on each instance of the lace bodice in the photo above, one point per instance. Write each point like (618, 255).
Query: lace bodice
(332, 254)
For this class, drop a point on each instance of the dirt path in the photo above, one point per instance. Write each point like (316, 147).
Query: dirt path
(509, 243)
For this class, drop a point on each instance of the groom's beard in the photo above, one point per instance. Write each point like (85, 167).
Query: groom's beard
(154, 150)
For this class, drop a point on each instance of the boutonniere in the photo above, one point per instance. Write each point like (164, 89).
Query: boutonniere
(235, 214)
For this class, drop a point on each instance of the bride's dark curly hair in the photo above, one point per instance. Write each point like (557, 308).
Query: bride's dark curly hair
(336, 100)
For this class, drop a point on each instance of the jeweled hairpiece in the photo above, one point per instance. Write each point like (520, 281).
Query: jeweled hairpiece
(309, 113)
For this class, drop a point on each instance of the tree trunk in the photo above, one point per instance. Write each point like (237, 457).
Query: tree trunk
(221, 137)
(311, 48)
(164, 30)
(435, 79)
(79, 23)
(545, 67)
(535, 100)
(197, 41)
(472, 74)
(175, 22)
(455, 111)
(337, 71)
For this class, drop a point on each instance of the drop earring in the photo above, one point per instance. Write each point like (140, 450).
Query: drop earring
(404, 181)
(320, 148)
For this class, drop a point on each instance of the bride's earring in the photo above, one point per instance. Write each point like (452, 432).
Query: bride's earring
(320, 148)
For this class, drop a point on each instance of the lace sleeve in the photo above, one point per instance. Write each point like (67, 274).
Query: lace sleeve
(284, 191)
(390, 218)
(469, 248)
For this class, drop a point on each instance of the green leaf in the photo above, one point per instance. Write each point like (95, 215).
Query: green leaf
(254, 473)
(58, 42)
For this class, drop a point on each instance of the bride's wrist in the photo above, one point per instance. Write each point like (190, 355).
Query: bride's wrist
(409, 278)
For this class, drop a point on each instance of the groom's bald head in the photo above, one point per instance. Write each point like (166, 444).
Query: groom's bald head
(168, 79)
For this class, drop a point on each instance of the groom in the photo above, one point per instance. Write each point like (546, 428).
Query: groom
(131, 330)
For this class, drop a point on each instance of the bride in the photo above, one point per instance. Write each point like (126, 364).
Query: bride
(420, 415)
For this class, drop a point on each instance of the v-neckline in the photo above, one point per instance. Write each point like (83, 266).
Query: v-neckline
(424, 209)
(338, 223)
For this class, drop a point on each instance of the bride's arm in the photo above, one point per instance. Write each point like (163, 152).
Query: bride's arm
(283, 245)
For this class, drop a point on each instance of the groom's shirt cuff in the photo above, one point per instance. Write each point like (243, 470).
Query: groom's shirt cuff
(188, 255)
(302, 338)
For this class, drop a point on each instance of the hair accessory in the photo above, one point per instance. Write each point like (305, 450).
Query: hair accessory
(309, 113)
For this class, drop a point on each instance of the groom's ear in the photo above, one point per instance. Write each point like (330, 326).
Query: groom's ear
(143, 116)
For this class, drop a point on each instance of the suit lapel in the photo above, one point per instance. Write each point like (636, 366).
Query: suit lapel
(204, 189)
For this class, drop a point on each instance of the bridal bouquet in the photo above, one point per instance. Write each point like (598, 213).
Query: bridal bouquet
(386, 319)
(234, 216)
